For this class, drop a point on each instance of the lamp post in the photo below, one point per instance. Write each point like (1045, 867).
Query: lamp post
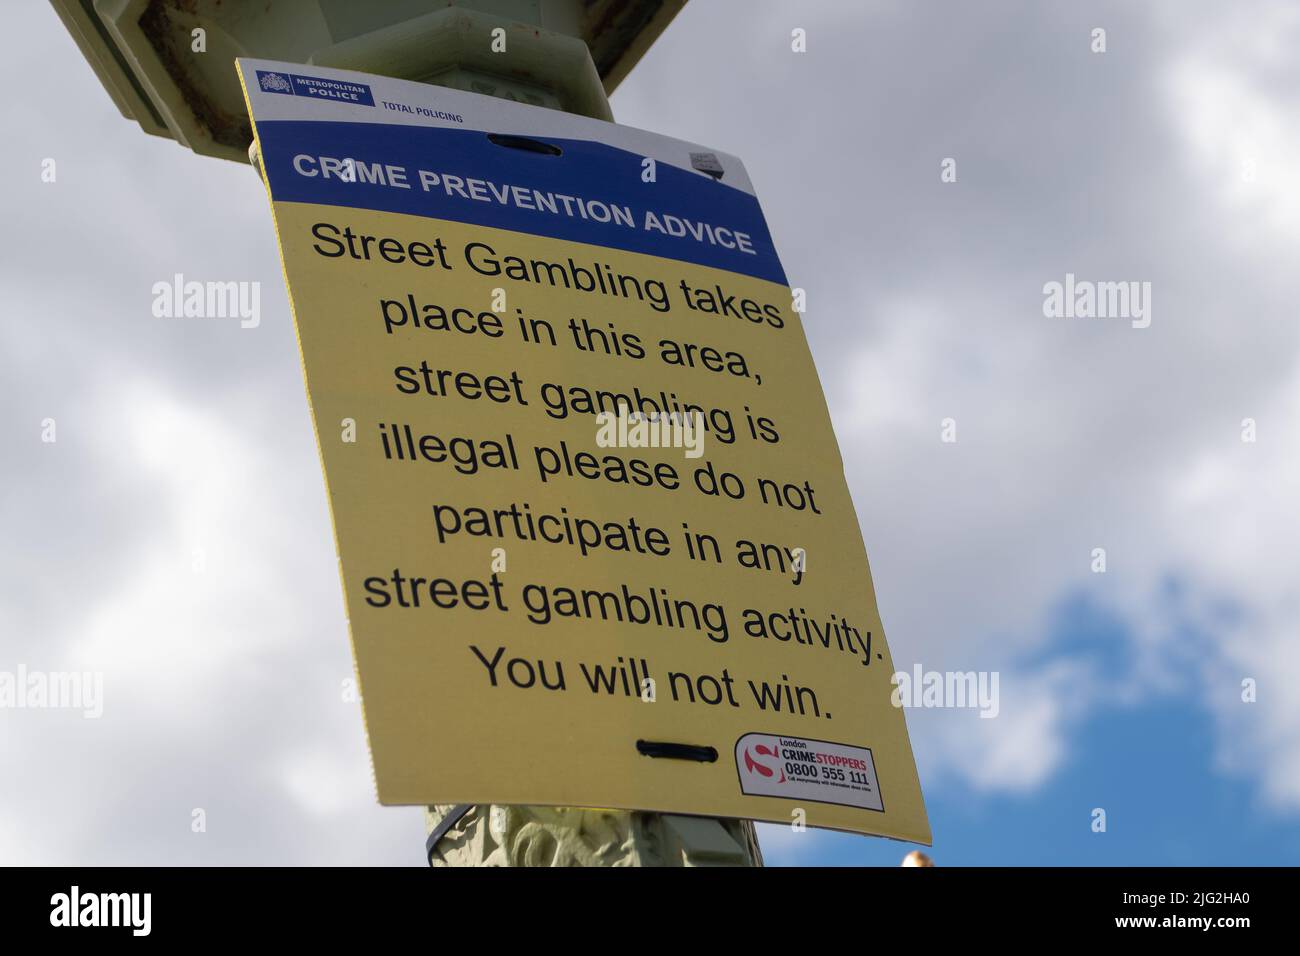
(169, 65)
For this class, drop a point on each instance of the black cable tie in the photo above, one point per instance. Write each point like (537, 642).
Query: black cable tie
(444, 826)
(526, 143)
(660, 748)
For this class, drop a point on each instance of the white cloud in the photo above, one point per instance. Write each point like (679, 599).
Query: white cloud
(1078, 435)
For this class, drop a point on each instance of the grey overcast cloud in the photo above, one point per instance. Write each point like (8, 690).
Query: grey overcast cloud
(176, 536)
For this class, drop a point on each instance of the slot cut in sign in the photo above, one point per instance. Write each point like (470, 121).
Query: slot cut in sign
(595, 539)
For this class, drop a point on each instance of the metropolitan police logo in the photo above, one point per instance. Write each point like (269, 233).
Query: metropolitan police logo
(318, 87)
(274, 82)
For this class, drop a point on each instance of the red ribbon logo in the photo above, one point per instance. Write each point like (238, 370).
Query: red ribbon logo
(753, 765)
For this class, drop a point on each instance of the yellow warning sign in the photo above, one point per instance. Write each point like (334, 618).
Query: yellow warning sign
(594, 533)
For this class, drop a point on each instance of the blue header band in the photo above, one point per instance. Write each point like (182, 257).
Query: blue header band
(590, 192)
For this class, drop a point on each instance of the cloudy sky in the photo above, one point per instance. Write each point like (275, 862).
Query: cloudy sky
(176, 537)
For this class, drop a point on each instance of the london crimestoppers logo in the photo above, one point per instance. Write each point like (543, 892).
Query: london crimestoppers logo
(816, 771)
